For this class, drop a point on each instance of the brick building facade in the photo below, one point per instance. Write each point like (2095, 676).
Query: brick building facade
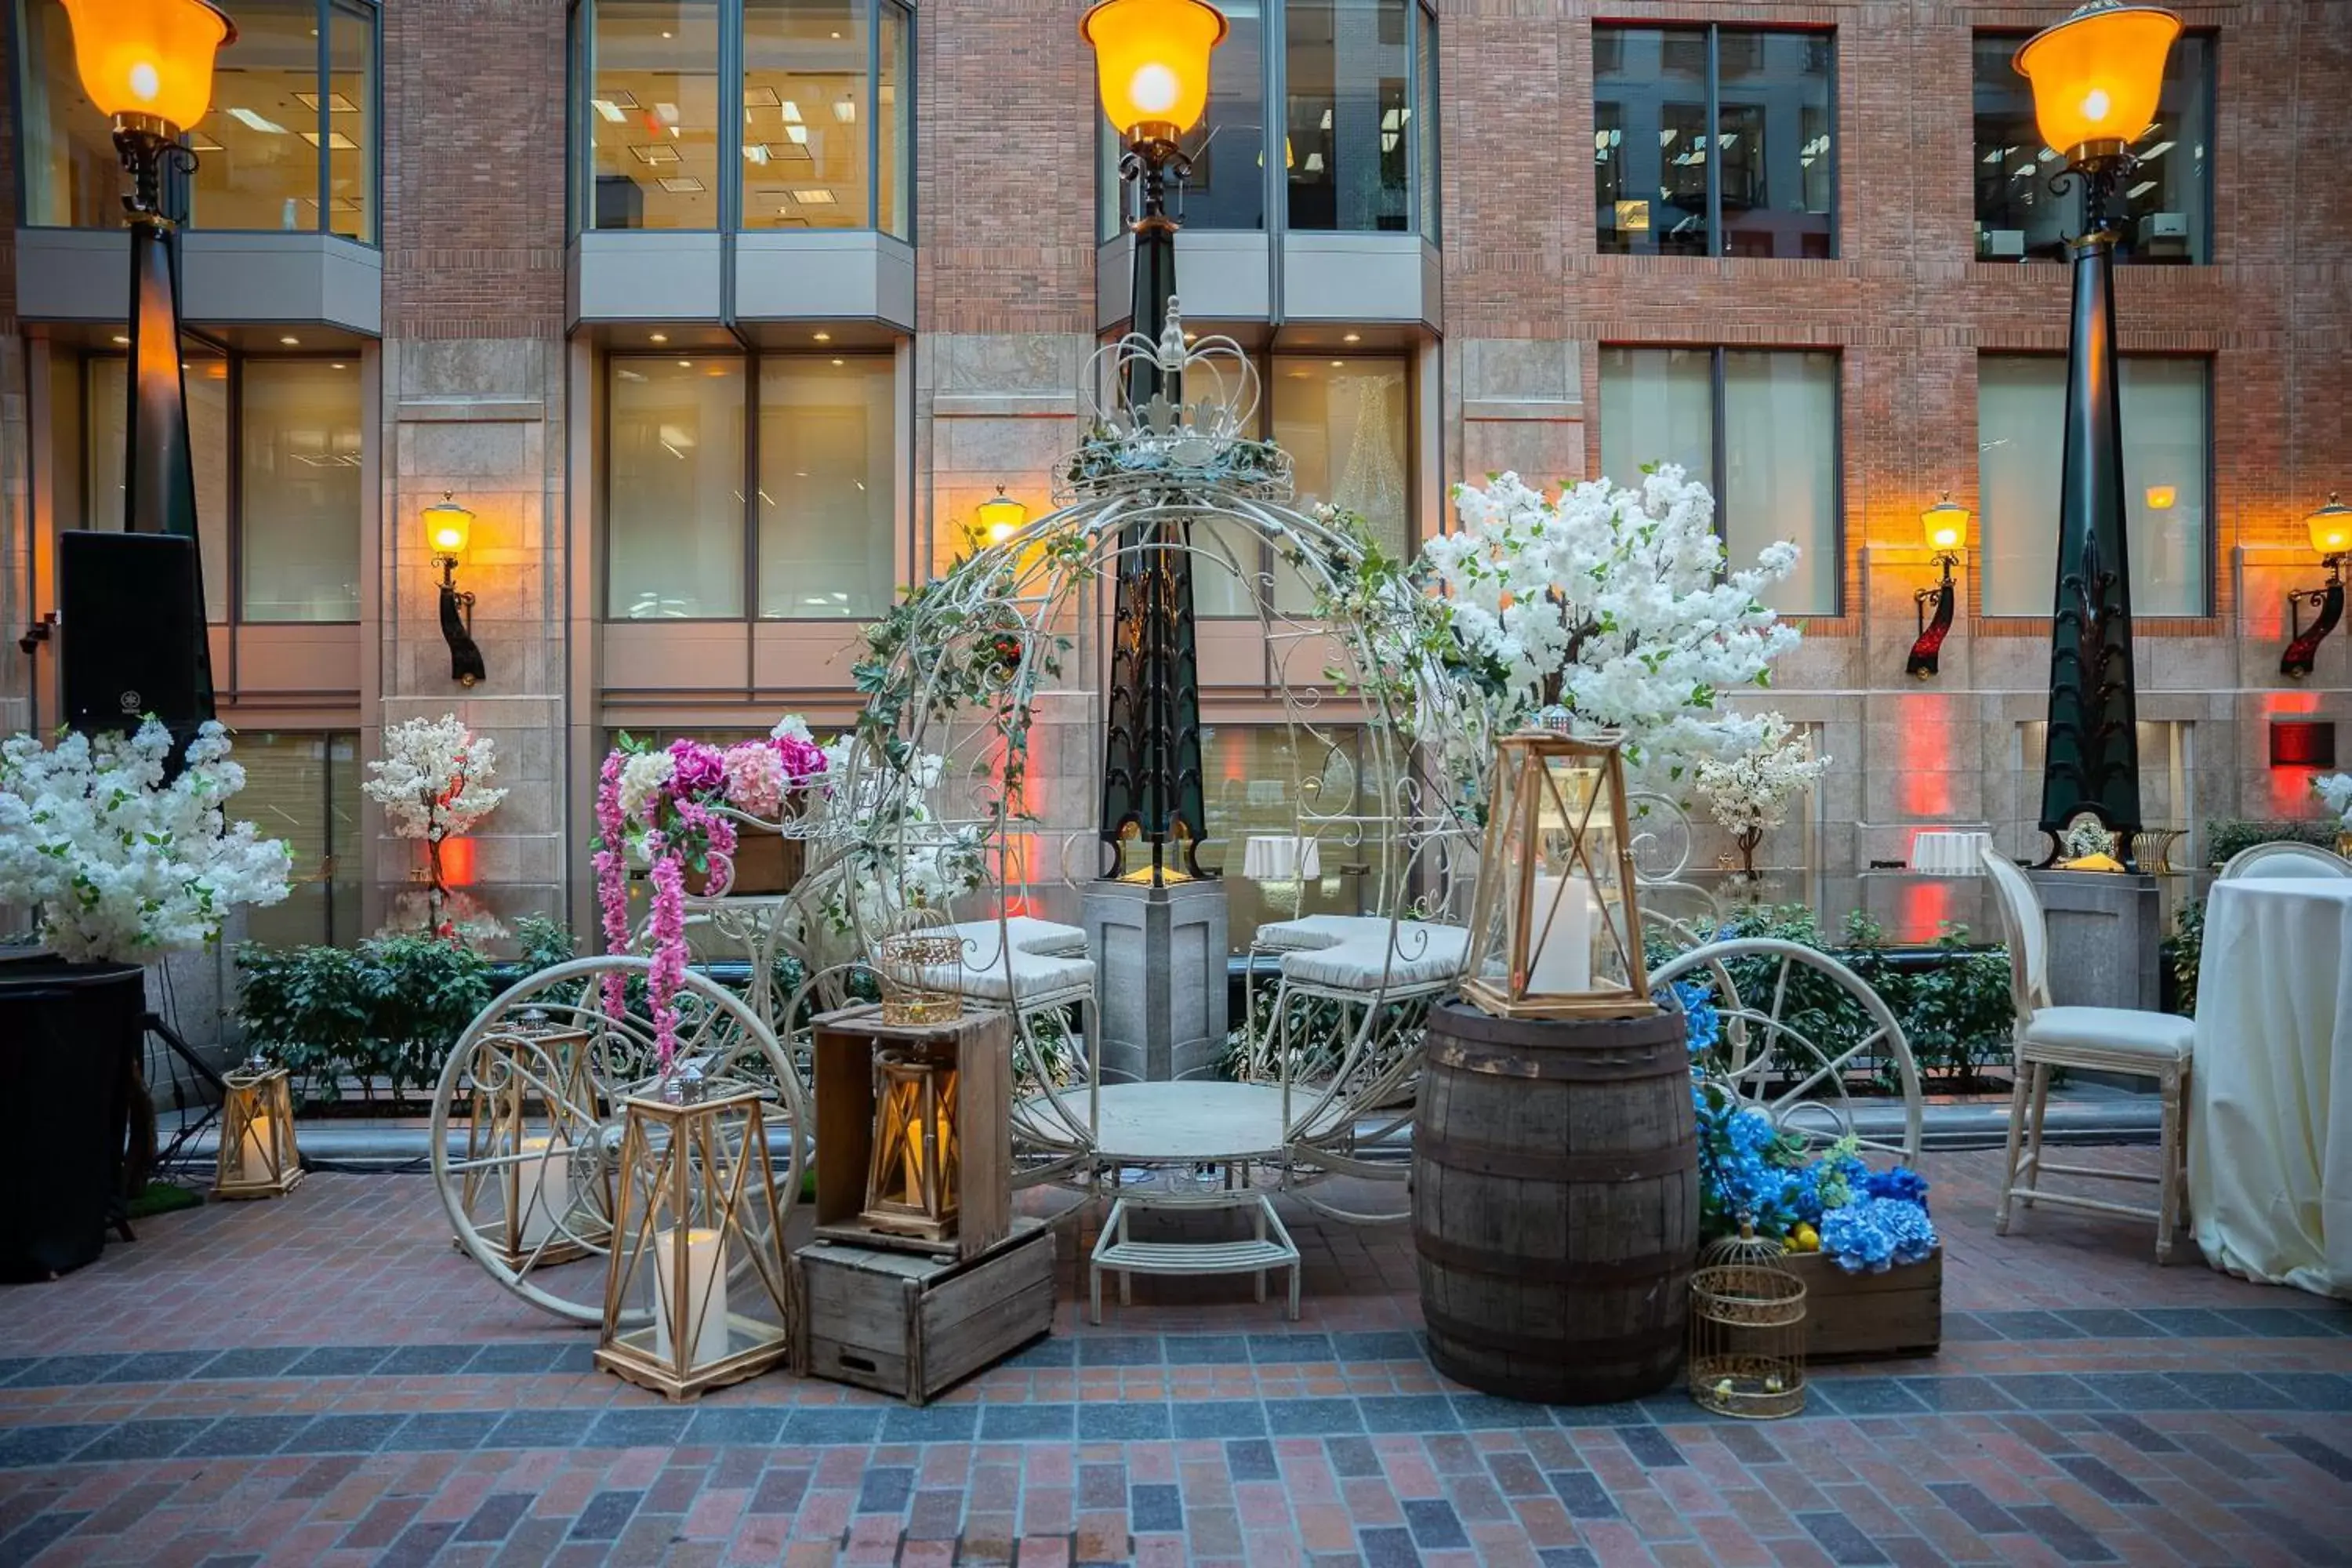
(510, 298)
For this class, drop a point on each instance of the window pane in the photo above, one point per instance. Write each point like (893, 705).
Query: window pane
(298, 488)
(898, 143)
(350, 123)
(1259, 780)
(1773, 120)
(1343, 424)
(1425, 125)
(828, 512)
(1228, 567)
(1657, 407)
(259, 146)
(2020, 420)
(1348, 64)
(807, 132)
(651, 118)
(1649, 107)
(674, 490)
(1779, 457)
(104, 414)
(2165, 202)
(71, 178)
(305, 789)
(1227, 189)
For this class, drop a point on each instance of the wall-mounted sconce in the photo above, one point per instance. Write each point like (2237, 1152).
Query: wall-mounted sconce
(2331, 535)
(1945, 526)
(1000, 517)
(448, 529)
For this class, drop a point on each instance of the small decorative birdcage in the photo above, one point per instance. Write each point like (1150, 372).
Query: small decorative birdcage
(913, 965)
(257, 1158)
(910, 1182)
(696, 1245)
(1748, 1330)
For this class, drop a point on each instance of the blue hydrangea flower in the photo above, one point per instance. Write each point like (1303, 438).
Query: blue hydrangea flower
(1902, 1182)
(1702, 1026)
(1872, 1234)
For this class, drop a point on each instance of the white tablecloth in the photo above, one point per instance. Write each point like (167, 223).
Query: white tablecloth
(2270, 1121)
(1279, 857)
(1948, 854)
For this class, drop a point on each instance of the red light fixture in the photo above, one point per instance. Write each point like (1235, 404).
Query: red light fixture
(2303, 743)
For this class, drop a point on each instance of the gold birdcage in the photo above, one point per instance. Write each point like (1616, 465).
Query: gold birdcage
(911, 964)
(1748, 1330)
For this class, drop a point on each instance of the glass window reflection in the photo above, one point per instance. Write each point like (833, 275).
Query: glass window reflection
(674, 490)
(651, 121)
(1348, 64)
(828, 508)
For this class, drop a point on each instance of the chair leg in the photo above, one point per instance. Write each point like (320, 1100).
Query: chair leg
(2033, 1121)
(2170, 1157)
(2181, 1170)
(2018, 1100)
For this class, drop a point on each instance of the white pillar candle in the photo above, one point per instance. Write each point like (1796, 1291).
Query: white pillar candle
(543, 1189)
(702, 1322)
(256, 1156)
(1561, 959)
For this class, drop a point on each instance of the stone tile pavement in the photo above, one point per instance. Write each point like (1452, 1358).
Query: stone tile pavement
(322, 1380)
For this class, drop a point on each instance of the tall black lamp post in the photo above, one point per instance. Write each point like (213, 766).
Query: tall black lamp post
(148, 64)
(1152, 66)
(2095, 80)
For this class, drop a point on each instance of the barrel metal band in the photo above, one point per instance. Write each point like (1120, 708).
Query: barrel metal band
(1483, 1159)
(1551, 1347)
(1615, 1065)
(1673, 1268)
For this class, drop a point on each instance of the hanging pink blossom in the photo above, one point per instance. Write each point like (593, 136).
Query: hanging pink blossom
(803, 759)
(612, 878)
(668, 948)
(696, 769)
(755, 778)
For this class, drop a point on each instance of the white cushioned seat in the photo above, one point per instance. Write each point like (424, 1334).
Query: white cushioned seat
(1029, 974)
(1413, 952)
(2112, 1029)
(1315, 931)
(1026, 933)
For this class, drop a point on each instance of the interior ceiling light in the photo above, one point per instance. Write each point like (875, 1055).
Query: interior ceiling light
(792, 112)
(336, 103)
(796, 134)
(666, 113)
(624, 98)
(2139, 190)
(2159, 150)
(824, 337)
(660, 337)
(336, 140)
(202, 142)
(818, 197)
(755, 152)
(1314, 162)
(1326, 125)
(836, 362)
(291, 341)
(122, 341)
(266, 126)
(608, 108)
(654, 152)
(1353, 338)
(682, 186)
(760, 98)
(844, 109)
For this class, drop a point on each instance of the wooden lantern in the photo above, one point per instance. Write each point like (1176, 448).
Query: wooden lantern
(258, 1157)
(532, 1102)
(910, 1180)
(698, 1264)
(914, 1132)
(1555, 933)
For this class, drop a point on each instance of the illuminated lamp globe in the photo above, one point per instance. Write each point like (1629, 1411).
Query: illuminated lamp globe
(1946, 526)
(2331, 528)
(1002, 516)
(448, 528)
(1151, 62)
(2097, 75)
(149, 59)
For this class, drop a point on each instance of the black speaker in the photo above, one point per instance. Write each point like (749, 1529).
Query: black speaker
(131, 632)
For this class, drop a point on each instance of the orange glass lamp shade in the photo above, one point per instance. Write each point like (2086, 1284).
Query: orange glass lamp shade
(448, 529)
(2097, 75)
(2331, 528)
(150, 58)
(1151, 61)
(1945, 526)
(1000, 516)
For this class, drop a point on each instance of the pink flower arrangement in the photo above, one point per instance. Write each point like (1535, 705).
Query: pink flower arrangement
(696, 769)
(755, 778)
(803, 759)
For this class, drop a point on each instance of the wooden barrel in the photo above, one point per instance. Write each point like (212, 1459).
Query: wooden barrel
(1555, 1203)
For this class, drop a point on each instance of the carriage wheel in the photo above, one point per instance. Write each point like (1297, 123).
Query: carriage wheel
(527, 1119)
(1795, 1026)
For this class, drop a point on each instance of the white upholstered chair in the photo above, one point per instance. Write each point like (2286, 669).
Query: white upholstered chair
(2285, 859)
(2096, 1039)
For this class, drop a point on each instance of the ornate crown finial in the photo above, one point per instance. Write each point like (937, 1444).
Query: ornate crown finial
(1192, 432)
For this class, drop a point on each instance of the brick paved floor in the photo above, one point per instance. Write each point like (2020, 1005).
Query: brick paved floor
(322, 1380)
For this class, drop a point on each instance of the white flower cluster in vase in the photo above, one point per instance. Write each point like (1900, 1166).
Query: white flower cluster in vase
(2335, 791)
(1620, 597)
(1750, 791)
(125, 867)
(434, 778)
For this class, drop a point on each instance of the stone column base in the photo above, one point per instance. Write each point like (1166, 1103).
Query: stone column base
(1160, 957)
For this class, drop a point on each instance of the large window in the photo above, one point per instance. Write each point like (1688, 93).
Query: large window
(807, 510)
(1713, 141)
(2168, 200)
(1346, 424)
(1356, 142)
(813, 133)
(1759, 428)
(276, 446)
(304, 787)
(1272, 780)
(289, 144)
(2167, 440)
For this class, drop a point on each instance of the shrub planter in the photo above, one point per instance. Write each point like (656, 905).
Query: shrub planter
(68, 1035)
(1899, 1312)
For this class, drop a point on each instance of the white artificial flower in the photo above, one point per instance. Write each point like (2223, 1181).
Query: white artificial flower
(123, 867)
(434, 778)
(793, 727)
(642, 778)
(2336, 789)
(1749, 792)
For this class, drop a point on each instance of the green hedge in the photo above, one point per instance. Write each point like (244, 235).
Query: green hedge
(2225, 837)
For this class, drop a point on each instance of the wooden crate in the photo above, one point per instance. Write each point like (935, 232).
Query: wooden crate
(1899, 1312)
(844, 1046)
(914, 1326)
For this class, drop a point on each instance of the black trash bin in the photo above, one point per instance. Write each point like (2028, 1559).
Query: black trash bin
(67, 1031)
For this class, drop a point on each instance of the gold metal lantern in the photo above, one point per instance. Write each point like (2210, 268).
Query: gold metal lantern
(696, 1295)
(910, 1180)
(1748, 1330)
(257, 1158)
(1555, 933)
(532, 1103)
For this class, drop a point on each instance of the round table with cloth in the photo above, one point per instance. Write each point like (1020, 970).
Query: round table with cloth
(2270, 1121)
